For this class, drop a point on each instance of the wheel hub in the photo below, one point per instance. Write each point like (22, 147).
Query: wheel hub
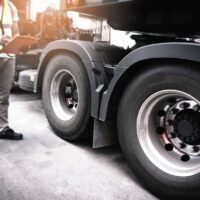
(64, 95)
(168, 129)
(187, 127)
(182, 126)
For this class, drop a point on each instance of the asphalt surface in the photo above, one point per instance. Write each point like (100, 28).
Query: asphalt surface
(45, 167)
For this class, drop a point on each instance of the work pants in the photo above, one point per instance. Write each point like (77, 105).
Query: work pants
(6, 77)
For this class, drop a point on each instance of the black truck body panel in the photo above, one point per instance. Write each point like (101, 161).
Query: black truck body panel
(170, 17)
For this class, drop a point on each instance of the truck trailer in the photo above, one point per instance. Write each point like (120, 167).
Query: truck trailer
(146, 97)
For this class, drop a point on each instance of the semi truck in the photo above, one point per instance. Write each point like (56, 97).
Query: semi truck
(147, 97)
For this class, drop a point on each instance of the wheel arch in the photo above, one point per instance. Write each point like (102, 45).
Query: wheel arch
(56, 47)
(92, 55)
(136, 61)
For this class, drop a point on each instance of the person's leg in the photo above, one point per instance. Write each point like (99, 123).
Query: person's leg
(6, 76)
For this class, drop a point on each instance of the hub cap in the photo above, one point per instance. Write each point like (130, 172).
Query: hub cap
(187, 126)
(168, 129)
(64, 95)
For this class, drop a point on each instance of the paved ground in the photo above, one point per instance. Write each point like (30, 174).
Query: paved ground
(44, 167)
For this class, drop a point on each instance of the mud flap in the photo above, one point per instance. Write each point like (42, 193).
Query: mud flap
(104, 133)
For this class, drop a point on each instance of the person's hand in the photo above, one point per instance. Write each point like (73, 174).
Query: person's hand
(5, 39)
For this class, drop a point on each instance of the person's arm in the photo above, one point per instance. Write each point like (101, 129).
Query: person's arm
(15, 28)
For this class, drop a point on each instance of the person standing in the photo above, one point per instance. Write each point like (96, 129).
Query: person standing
(8, 30)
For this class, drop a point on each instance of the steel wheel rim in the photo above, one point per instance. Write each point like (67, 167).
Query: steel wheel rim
(161, 149)
(59, 97)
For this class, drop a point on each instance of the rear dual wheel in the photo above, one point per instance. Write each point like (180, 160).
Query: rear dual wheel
(159, 129)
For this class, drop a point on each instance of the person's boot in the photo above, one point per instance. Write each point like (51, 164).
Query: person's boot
(10, 134)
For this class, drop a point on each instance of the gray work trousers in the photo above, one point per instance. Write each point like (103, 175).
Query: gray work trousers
(6, 77)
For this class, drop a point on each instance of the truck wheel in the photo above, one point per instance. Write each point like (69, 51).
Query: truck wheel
(26, 80)
(66, 97)
(159, 129)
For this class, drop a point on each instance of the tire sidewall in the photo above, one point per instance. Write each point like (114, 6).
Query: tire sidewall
(75, 125)
(148, 82)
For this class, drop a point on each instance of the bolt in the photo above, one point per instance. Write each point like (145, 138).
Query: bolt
(161, 113)
(185, 158)
(182, 145)
(169, 147)
(196, 107)
(172, 135)
(70, 103)
(160, 130)
(195, 149)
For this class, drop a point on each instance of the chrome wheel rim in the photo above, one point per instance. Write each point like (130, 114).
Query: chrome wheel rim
(64, 95)
(168, 131)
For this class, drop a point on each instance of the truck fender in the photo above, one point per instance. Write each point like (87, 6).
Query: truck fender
(172, 50)
(93, 57)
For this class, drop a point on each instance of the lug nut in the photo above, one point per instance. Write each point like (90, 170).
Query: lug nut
(161, 113)
(160, 130)
(196, 107)
(182, 145)
(185, 158)
(170, 122)
(169, 147)
(70, 103)
(195, 149)
(184, 105)
(172, 135)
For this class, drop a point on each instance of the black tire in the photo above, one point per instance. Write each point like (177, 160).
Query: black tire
(78, 126)
(157, 77)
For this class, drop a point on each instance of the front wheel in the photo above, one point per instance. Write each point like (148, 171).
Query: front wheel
(159, 129)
